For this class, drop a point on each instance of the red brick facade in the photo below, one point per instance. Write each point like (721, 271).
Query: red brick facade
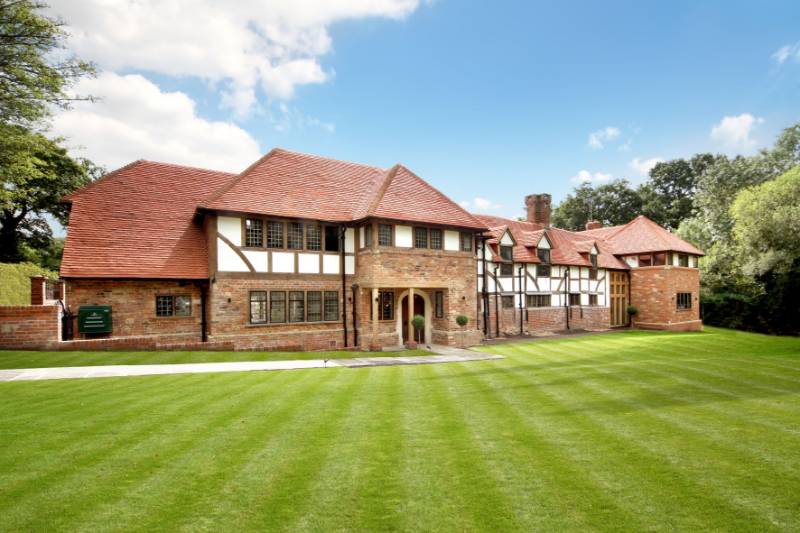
(544, 319)
(654, 292)
(29, 326)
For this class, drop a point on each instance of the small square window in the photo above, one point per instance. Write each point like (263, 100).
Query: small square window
(254, 233)
(274, 234)
(384, 235)
(466, 242)
(684, 300)
(313, 238)
(420, 237)
(436, 239)
(544, 255)
(574, 299)
(165, 305)
(683, 260)
(592, 273)
(592, 299)
(659, 259)
(507, 302)
(506, 269)
(507, 253)
(542, 271)
(645, 260)
(294, 237)
(183, 306)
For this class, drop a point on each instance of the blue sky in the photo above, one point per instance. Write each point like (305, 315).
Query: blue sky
(487, 100)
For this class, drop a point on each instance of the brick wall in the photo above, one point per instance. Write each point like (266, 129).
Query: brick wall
(654, 293)
(546, 319)
(133, 307)
(229, 309)
(29, 326)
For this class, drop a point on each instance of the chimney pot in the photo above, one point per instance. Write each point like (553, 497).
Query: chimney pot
(594, 224)
(538, 209)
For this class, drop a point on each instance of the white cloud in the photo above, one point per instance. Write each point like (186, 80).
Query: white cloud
(584, 176)
(644, 166)
(287, 118)
(136, 120)
(734, 133)
(784, 53)
(599, 137)
(479, 203)
(241, 47)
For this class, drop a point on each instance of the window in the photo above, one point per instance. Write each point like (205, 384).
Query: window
(436, 239)
(542, 271)
(574, 299)
(385, 305)
(420, 238)
(384, 234)
(313, 238)
(258, 307)
(645, 260)
(506, 269)
(274, 234)
(538, 300)
(684, 300)
(277, 306)
(507, 301)
(297, 306)
(507, 253)
(314, 303)
(593, 273)
(593, 259)
(368, 236)
(331, 239)
(544, 255)
(254, 233)
(331, 305)
(466, 242)
(592, 299)
(439, 304)
(174, 305)
(659, 259)
(683, 260)
(294, 238)
(165, 306)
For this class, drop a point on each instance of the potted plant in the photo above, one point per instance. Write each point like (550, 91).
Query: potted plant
(419, 323)
(632, 310)
(462, 321)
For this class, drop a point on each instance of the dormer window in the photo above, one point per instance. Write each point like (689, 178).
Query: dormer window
(593, 259)
(507, 253)
(544, 255)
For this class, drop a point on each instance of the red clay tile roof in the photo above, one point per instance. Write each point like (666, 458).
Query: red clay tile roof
(295, 185)
(567, 246)
(641, 235)
(137, 222)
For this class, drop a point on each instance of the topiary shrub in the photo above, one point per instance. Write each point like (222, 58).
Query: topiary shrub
(632, 310)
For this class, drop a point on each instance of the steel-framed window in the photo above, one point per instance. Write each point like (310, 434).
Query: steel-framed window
(506, 269)
(277, 307)
(314, 304)
(507, 252)
(420, 237)
(331, 307)
(384, 234)
(258, 307)
(574, 298)
(538, 300)
(313, 238)
(274, 234)
(385, 305)
(466, 242)
(439, 303)
(368, 236)
(294, 236)
(592, 299)
(436, 239)
(297, 306)
(542, 271)
(254, 233)
(684, 300)
(544, 255)
(165, 306)
(170, 305)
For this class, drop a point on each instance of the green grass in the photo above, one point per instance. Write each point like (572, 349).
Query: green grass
(15, 282)
(32, 359)
(626, 431)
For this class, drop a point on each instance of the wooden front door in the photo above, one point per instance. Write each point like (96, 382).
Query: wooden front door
(619, 298)
(419, 309)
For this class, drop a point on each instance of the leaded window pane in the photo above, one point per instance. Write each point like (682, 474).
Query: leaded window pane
(386, 305)
(254, 233)
(277, 306)
(331, 305)
(384, 234)
(258, 307)
(314, 302)
(420, 238)
(165, 305)
(297, 306)
(274, 234)
(436, 239)
(183, 306)
(466, 242)
(294, 237)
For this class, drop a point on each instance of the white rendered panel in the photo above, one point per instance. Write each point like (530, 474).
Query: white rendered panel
(228, 260)
(402, 236)
(231, 229)
(451, 242)
(308, 263)
(330, 264)
(349, 240)
(632, 261)
(349, 264)
(259, 260)
(543, 243)
(283, 262)
(506, 240)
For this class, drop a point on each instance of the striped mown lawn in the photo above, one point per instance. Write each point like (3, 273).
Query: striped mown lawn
(625, 431)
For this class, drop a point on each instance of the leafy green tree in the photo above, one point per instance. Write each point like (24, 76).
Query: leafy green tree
(35, 173)
(611, 203)
(35, 71)
(668, 195)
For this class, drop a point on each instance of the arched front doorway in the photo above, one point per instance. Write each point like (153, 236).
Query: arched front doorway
(422, 306)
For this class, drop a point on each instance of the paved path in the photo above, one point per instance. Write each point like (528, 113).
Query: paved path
(451, 355)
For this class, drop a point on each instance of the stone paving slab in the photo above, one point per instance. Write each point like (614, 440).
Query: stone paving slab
(76, 372)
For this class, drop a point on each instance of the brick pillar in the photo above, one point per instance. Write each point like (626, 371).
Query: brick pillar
(374, 303)
(37, 290)
(410, 325)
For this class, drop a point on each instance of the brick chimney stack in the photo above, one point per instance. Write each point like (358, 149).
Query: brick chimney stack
(594, 224)
(538, 207)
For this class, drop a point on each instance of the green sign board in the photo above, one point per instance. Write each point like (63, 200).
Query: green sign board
(94, 319)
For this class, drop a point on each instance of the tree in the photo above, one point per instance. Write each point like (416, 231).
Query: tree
(612, 203)
(668, 195)
(35, 75)
(35, 173)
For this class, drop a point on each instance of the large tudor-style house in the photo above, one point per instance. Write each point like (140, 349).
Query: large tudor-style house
(307, 252)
